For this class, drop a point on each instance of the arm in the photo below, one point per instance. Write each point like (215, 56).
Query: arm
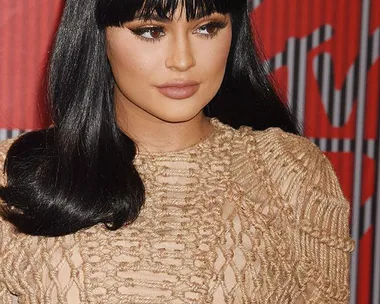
(308, 184)
(323, 235)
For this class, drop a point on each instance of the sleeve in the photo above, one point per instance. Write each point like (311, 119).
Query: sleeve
(322, 240)
(323, 234)
(5, 296)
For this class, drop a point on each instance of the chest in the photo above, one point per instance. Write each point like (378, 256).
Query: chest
(167, 254)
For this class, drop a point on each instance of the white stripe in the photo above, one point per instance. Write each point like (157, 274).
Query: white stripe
(358, 145)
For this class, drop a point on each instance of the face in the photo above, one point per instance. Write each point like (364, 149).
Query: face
(168, 70)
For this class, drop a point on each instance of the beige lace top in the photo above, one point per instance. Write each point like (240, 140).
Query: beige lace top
(241, 217)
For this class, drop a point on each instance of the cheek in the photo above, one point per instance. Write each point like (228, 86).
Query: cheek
(129, 61)
(212, 57)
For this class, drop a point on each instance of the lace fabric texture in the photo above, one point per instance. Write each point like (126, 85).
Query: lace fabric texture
(242, 217)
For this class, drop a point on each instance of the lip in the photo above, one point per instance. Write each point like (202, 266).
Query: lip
(179, 89)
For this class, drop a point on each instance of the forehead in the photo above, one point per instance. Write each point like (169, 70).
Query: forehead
(116, 12)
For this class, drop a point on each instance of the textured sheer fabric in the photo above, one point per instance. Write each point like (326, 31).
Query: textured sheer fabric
(241, 217)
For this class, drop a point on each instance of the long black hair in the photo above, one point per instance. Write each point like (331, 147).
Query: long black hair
(80, 172)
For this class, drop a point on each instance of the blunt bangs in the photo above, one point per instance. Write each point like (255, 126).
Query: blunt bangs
(116, 12)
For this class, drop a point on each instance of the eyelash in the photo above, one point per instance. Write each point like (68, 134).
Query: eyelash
(217, 25)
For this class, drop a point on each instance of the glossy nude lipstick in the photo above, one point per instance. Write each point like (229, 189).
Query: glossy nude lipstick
(180, 89)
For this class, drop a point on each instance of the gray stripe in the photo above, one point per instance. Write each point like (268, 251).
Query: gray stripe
(371, 148)
(335, 146)
(358, 145)
(349, 92)
(367, 223)
(316, 38)
(326, 81)
(323, 144)
(291, 65)
(252, 4)
(278, 61)
(347, 146)
(328, 32)
(257, 3)
(370, 145)
(337, 106)
(376, 244)
(327, 86)
(302, 81)
(5, 133)
(375, 46)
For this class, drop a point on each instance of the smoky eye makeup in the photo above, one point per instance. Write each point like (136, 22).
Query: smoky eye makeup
(211, 28)
(150, 33)
(152, 30)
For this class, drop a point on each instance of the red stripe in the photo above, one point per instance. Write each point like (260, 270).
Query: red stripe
(365, 268)
(372, 120)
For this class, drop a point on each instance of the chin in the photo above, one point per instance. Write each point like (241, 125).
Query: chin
(179, 117)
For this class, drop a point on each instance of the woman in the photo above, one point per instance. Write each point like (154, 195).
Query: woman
(155, 185)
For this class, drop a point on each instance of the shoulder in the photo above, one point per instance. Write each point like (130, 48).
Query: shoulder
(289, 160)
(271, 142)
(279, 147)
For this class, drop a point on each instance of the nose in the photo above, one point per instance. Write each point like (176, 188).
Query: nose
(181, 57)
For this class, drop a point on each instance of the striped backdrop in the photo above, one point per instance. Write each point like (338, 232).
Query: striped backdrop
(325, 55)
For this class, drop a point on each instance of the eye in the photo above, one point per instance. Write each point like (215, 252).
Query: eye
(208, 29)
(211, 29)
(149, 33)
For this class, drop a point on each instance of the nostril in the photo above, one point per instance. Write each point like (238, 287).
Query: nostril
(181, 56)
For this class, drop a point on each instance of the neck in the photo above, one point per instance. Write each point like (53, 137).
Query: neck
(152, 134)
